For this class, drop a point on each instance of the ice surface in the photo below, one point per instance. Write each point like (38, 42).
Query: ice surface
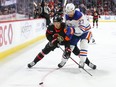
(14, 71)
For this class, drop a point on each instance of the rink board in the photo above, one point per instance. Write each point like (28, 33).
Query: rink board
(16, 35)
(22, 46)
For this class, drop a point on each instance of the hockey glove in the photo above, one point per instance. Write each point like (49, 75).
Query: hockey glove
(59, 38)
(54, 42)
(67, 53)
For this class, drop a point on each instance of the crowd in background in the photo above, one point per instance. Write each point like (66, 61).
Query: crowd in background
(5, 10)
(33, 8)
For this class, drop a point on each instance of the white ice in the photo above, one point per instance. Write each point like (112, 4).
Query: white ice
(14, 71)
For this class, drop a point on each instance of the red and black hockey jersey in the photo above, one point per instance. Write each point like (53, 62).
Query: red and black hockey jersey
(95, 15)
(51, 32)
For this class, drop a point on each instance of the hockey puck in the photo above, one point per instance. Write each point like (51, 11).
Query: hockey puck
(40, 83)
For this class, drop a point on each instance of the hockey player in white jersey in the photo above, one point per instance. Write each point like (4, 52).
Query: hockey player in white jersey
(79, 22)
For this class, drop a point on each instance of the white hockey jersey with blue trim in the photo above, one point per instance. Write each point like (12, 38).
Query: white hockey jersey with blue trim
(79, 22)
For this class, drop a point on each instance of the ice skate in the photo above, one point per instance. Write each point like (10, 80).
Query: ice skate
(30, 65)
(91, 65)
(61, 64)
(93, 41)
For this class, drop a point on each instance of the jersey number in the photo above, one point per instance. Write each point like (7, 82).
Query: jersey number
(81, 22)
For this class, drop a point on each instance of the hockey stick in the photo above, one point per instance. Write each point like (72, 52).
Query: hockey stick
(77, 63)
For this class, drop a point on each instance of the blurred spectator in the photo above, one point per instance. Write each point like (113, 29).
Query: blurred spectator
(58, 10)
(83, 8)
(37, 10)
(45, 12)
(46, 8)
(0, 12)
(53, 7)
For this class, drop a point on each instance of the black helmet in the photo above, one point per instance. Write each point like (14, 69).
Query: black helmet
(57, 18)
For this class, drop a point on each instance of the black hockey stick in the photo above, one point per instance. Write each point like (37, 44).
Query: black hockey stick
(77, 63)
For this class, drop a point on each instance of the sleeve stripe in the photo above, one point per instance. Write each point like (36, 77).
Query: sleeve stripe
(89, 36)
(49, 32)
(84, 28)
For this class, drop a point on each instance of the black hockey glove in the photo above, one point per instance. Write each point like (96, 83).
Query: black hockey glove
(67, 53)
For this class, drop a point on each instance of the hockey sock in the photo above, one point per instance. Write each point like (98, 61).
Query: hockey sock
(97, 24)
(87, 61)
(39, 57)
(93, 24)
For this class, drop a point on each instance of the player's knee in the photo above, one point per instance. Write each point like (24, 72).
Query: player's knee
(84, 44)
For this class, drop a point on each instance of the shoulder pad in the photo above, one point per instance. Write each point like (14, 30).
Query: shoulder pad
(78, 14)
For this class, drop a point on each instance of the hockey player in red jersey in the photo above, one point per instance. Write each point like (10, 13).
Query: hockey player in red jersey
(95, 15)
(56, 33)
